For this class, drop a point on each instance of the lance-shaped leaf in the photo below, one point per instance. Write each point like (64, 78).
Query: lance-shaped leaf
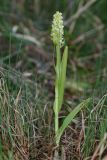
(63, 67)
(71, 116)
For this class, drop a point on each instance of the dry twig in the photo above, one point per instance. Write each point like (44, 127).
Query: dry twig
(80, 11)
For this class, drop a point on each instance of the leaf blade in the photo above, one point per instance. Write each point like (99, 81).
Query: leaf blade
(63, 67)
(70, 117)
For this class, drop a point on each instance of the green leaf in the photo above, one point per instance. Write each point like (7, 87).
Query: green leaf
(63, 68)
(70, 117)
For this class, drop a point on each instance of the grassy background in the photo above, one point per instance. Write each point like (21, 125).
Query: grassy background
(27, 78)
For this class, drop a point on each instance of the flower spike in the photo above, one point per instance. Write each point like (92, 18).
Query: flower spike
(57, 32)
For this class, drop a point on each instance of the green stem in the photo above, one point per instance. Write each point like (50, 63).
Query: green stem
(58, 60)
(56, 107)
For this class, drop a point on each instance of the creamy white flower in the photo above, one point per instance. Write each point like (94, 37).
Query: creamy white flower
(57, 32)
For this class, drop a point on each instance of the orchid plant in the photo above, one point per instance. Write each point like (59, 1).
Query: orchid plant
(57, 36)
